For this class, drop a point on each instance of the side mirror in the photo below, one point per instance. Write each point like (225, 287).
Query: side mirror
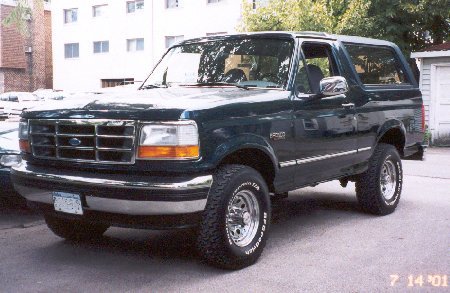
(334, 85)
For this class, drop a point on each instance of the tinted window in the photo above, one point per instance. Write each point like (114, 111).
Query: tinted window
(250, 62)
(319, 64)
(376, 65)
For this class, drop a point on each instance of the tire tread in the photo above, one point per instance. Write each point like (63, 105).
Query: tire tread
(211, 243)
(367, 185)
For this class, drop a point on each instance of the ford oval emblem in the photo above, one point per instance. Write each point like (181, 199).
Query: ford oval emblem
(74, 141)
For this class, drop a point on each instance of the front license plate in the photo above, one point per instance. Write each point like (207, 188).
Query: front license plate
(67, 203)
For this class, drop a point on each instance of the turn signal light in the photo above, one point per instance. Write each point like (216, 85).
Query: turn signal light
(24, 146)
(168, 152)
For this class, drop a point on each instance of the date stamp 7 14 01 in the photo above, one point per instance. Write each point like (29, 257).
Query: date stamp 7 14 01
(420, 280)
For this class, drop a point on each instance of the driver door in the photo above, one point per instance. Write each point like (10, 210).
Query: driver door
(324, 127)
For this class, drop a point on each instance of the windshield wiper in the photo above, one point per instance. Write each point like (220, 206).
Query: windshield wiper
(216, 83)
(153, 86)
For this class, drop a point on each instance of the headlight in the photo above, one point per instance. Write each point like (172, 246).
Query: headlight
(176, 140)
(10, 160)
(24, 144)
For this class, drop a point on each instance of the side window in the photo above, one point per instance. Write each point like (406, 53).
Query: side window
(301, 79)
(376, 65)
(318, 64)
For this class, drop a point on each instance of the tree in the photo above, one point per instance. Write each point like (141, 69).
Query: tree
(411, 24)
(20, 14)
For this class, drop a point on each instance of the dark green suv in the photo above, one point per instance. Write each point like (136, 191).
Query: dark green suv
(221, 127)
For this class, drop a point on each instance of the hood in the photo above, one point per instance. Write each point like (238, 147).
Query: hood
(152, 104)
(9, 138)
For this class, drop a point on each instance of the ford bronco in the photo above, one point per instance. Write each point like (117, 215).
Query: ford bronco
(221, 127)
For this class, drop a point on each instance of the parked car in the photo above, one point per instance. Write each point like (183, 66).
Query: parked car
(9, 156)
(50, 95)
(3, 114)
(222, 126)
(15, 102)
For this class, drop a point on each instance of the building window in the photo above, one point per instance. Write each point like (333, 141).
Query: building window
(72, 50)
(214, 1)
(135, 45)
(70, 15)
(116, 81)
(101, 47)
(171, 40)
(172, 3)
(99, 10)
(259, 3)
(133, 6)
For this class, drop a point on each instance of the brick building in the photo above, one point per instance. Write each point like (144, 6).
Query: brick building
(26, 62)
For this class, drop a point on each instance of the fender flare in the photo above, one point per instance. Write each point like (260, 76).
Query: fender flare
(245, 141)
(389, 125)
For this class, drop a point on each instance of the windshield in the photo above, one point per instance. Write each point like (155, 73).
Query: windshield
(245, 62)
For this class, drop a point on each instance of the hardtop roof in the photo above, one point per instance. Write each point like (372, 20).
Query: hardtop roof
(300, 34)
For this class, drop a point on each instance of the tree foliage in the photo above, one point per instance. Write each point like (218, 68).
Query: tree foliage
(412, 24)
(21, 13)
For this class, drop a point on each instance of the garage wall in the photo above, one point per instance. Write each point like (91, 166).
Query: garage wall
(425, 81)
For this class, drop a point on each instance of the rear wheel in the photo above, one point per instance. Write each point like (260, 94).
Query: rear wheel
(74, 230)
(236, 219)
(378, 189)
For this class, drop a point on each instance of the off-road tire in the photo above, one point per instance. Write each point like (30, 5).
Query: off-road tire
(74, 230)
(369, 184)
(215, 243)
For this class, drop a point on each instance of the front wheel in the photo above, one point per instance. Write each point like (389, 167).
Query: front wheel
(378, 189)
(236, 219)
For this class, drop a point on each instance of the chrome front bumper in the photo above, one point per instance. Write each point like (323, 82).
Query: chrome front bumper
(112, 193)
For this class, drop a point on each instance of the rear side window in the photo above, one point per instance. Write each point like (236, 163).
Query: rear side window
(376, 65)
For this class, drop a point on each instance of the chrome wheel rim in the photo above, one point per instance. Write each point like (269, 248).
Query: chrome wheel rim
(242, 218)
(388, 180)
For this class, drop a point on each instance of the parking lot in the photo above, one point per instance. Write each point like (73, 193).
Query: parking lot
(320, 242)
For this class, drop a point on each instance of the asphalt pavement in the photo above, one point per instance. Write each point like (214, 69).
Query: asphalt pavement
(320, 242)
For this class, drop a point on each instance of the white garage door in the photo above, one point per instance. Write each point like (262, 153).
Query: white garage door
(441, 102)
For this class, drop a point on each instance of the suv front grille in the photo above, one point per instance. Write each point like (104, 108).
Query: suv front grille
(95, 141)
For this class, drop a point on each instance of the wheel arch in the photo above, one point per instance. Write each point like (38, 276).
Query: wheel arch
(259, 157)
(393, 132)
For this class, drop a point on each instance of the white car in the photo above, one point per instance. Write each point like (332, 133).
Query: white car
(15, 102)
(3, 115)
(50, 95)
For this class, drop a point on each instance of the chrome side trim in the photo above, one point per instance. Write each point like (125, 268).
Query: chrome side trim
(195, 183)
(288, 163)
(120, 206)
(319, 158)
(316, 158)
(364, 149)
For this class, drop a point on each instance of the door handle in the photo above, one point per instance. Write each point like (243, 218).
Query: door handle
(348, 106)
